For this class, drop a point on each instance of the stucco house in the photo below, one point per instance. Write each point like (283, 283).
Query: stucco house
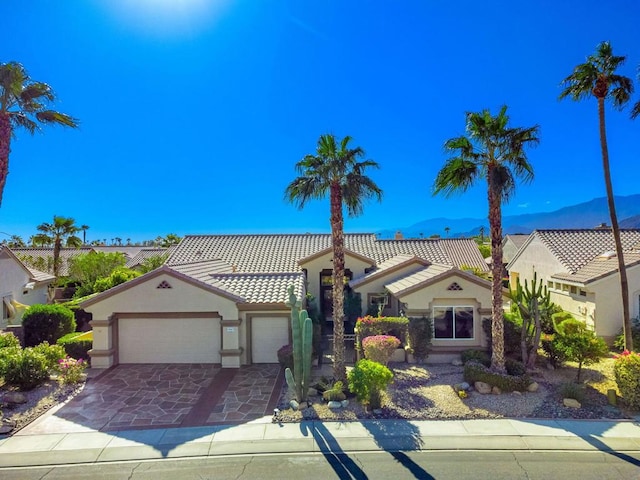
(20, 285)
(511, 243)
(221, 298)
(580, 268)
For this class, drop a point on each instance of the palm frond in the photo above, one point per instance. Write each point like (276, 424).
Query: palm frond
(635, 111)
(457, 175)
(51, 116)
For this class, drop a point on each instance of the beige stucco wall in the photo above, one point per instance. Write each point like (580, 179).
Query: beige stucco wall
(13, 278)
(316, 265)
(421, 302)
(536, 258)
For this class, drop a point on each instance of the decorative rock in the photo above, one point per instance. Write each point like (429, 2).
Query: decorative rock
(482, 387)
(464, 386)
(496, 390)
(457, 363)
(571, 403)
(14, 398)
(333, 405)
(312, 392)
(294, 405)
(344, 403)
(550, 367)
(5, 429)
(533, 387)
(516, 392)
(377, 411)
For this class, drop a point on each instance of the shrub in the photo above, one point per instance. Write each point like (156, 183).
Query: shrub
(53, 353)
(379, 348)
(626, 369)
(474, 355)
(552, 350)
(420, 332)
(24, 369)
(285, 356)
(76, 345)
(8, 340)
(335, 393)
(618, 344)
(572, 390)
(118, 276)
(46, 323)
(71, 370)
(512, 333)
(579, 344)
(476, 372)
(515, 367)
(367, 380)
(370, 326)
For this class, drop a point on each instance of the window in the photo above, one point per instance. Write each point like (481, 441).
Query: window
(583, 293)
(453, 322)
(378, 299)
(574, 289)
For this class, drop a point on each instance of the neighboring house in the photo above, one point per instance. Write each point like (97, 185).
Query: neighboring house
(511, 243)
(146, 253)
(42, 257)
(20, 285)
(580, 269)
(222, 298)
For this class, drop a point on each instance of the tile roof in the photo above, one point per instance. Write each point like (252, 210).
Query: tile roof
(34, 274)
(203, 270)
(29, 256)
(146, 253)
(397, 262)
(415, 279)
(259, 287)
(518, 239)
(599, 267)
(281, 253)
(576, 248)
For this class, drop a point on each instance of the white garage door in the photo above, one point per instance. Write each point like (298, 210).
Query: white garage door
(169, 340)
(268, 334)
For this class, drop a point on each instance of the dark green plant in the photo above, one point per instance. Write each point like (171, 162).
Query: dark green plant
(551, 349)
(24, 368)
(352, 306)
(512, 332)
(367, 380)
(302, 333)
(285, 356)
(579, 344)
(420, 334)
(46, 323)
(515, 367)
(75, 346)
(87, 268)
(476, 372)
(618, 344)
(474, 355)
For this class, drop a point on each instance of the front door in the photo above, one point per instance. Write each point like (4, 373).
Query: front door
(326, 292)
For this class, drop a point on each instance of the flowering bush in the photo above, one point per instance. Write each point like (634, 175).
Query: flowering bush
(627, 372)
(370, 326)
(71, 369)
(379, 348)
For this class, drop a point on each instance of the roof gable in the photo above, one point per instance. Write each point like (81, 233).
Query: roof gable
(388, 267)
(430, 275)
(33, 274)
(329, 251)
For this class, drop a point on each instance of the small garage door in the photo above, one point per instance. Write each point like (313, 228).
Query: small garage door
(268, 334)
(169, 340)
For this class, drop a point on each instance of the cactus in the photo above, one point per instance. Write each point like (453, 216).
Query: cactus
(302, 333)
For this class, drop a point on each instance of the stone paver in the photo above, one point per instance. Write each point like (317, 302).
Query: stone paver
(163, 396)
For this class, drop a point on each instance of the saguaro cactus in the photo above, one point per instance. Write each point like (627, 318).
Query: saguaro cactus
(302, 332)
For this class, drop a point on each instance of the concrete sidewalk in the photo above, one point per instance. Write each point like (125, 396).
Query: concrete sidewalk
(262, 436)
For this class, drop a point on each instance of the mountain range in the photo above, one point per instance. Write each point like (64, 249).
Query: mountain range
(583, 215)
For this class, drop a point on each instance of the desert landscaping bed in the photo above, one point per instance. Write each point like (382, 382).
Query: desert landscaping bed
(425, 392)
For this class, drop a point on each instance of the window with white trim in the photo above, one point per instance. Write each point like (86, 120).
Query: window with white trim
(453, 322)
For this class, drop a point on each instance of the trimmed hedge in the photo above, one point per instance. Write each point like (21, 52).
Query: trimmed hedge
(420, 335)
(474, 355)
(627, 373)
(476, 372)
(371, 326)
(512, 333)
(76, 346)
(46, 323)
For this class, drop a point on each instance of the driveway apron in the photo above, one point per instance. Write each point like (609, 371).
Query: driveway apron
(166, 395)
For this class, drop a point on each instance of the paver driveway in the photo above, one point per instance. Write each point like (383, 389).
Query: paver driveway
(169, 395)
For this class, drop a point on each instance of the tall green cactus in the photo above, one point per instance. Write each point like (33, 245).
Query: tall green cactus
(302, 333)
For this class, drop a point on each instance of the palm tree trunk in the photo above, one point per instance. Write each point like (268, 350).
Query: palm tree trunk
(337, 241)
(624, 286)
(5, 142)
(57, 246)
(497, 317)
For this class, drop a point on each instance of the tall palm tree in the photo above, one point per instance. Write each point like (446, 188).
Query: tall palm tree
(23, 105)
(84, 229)
(61, 231)
(336, 170)
(597, 77)
(495, 152)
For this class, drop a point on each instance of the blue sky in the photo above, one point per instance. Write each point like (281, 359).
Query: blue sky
(194, 112)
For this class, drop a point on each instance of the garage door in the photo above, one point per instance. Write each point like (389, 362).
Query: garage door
(268, 334)
(169, 340)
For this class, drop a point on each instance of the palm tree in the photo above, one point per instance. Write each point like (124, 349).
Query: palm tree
(495, 152)
(597, 77)
(336, 170)
(23, 105)
(84, 229)
(61, 230)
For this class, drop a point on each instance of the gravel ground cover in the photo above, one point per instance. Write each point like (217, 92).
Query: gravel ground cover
(424, 392)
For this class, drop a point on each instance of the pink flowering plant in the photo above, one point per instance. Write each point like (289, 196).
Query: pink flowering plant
(379, 348)
(627, 373)
(71, 370)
